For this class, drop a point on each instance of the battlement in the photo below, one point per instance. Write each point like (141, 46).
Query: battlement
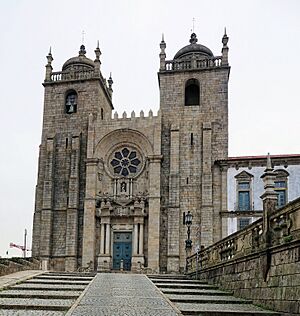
(134, 117)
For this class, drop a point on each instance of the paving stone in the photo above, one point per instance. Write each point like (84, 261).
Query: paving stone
(116, 311)
(123, 294)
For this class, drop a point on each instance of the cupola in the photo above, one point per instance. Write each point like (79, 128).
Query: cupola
(195, 49)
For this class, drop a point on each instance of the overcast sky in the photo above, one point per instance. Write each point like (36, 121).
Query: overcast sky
(264, 46)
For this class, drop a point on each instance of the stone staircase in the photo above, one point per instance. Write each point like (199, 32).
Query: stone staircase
(45, 294)
(194, 297)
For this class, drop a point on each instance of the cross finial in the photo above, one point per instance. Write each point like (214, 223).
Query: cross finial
(82, 38)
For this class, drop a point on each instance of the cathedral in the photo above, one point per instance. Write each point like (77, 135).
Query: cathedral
(112, 192)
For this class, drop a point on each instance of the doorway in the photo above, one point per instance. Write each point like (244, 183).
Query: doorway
(122, 250)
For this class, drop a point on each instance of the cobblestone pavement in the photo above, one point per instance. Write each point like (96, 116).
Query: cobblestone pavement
(115, 294)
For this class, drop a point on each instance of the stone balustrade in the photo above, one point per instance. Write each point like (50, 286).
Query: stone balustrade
(284, 228)
(72, 75)
(174, 65)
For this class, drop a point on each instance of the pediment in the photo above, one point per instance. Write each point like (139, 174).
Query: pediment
(244, 175)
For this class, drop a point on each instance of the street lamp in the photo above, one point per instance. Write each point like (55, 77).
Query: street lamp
(188, 222)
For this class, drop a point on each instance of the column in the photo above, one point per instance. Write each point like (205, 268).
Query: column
(46, 213)
(89, 223)
(107, 239)
(174, 211)
(73, 203)
(207, 208)
(135, 239)
(101, 238)
(154, 213)
(141, 241)
(224, 207)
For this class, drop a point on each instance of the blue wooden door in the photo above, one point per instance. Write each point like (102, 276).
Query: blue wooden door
(122, 249)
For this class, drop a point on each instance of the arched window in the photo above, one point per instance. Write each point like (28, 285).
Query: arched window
(192, 92)
(71, 102)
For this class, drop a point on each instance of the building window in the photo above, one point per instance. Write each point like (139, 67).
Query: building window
(281, 187)
(125, 162)
(243, 222)
(244, 196)
(244, 180)
(192, 92)
(71, 102)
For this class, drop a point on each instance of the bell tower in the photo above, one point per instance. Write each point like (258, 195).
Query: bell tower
(194, 111)
(71, 96)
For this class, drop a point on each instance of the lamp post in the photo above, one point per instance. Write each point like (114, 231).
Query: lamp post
(188, 242)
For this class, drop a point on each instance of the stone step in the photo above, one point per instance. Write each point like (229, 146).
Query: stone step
(43, 293)
(211, 299)
(168, 276)
(67, 278)
(222, 309)
(37, 294)
(154, 280)
(36, 303)
(185, 286)
(75, 274)
(26, 312)
(54, 287)
(56, 282)
(168, 291)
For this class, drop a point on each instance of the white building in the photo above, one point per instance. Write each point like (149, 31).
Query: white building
(245, 186)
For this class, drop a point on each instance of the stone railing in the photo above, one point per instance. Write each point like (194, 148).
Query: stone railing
(72, 75)
(284, 228)
(174, 65)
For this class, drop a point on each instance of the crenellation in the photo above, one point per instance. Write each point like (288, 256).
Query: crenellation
(133, 115)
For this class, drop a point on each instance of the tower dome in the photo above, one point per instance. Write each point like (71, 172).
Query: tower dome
(81, 62)
(194, 48)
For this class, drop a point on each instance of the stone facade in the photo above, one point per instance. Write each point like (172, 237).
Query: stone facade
(112, 191)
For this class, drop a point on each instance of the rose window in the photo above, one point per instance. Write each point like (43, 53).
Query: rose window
(125, 162)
